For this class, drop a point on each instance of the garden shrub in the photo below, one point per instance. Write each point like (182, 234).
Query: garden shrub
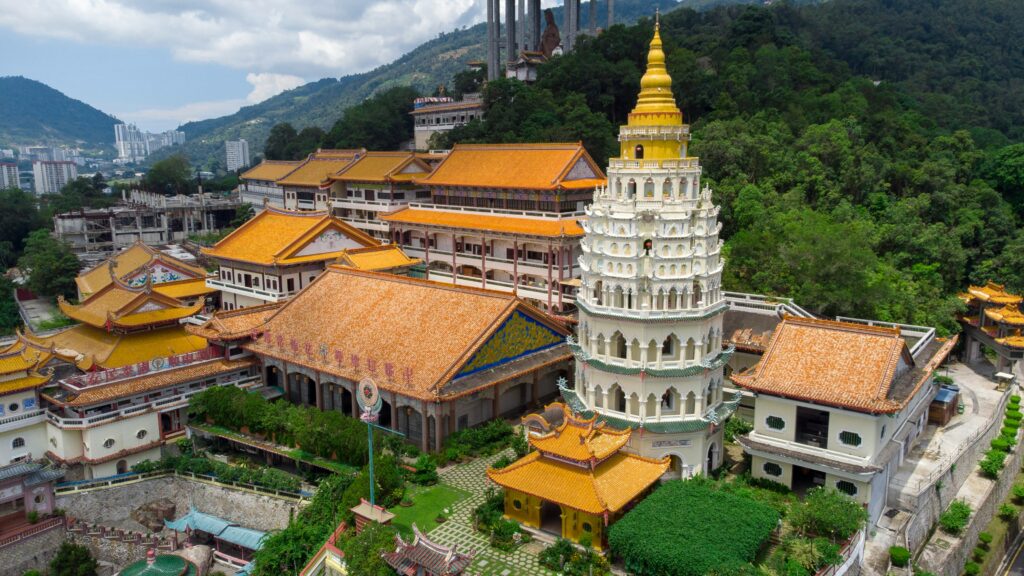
(426, 470)
(265, 477)
(1007, 512)
(1011, 423)
(828, 512)
(985, 538)
(1014, 414)
(490, 511)
(993, 463)
(520, 445)
(999, 443)
(503, 535)
(954, 519)
(501, 462)
(736, 426)
(939, 379)
(686, 528)
(899, 556)
(978, 554)
(1005, 431)
(564, 558)
(1015, 399)
(972, 569)
(486, 438)
(1018, 492)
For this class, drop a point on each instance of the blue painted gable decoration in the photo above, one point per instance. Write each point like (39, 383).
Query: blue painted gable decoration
(518, 336)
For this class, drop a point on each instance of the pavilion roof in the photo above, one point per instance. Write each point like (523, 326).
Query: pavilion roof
(318, 167)
(119, 305)
(993, 293)
(413, 336)
(277, 236)
(17, 357)
(183, 289)
(423, 553)
(1013, 341)
(1006, 315)
(377, 258)
(547, 227)
(90, 347)
(218, 528)
(127, 263)
(235, 324)
(383, 167)
(270, 170)
(539, 167)
(581, 439)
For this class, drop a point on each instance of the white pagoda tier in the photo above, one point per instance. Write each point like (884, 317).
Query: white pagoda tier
(649, 350)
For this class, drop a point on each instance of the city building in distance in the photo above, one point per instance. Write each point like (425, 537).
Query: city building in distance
(52, 175)
(237, 152)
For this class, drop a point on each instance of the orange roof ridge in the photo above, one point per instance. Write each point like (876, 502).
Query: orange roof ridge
(841, 325)
(521, 146)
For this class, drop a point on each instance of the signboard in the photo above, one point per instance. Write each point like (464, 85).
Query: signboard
(141, 368)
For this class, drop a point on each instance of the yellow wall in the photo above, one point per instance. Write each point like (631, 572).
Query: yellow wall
(526, 512)
(574, 522)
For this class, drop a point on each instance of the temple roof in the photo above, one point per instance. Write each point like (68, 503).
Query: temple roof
(17, 357)
(601, 485)
(320, 165)
(415, 337)
(118, 305)
(219, 528)
(383, 167)
(581, 439)
(422, 553)
(128, 263)
(150, 382)
(993, 293)
(548, 227)
(517, 166)
(1013, 341)
(277, 236)
(840, 364)
(377, 258)
(235, 324)
(270, 170)
(1006, 315)
(89, 347)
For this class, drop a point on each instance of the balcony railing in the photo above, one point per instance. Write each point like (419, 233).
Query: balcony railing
(22, 420)
(497, 211)
(244, 290)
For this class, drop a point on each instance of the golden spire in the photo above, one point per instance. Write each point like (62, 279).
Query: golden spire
(656, 85)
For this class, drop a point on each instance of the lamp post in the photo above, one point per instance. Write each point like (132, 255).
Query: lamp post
(369, 400)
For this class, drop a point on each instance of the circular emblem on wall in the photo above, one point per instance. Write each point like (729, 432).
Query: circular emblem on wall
(157, 363)
(368, 396)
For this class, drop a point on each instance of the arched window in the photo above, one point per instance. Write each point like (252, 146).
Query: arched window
(634, 350)
(666, 188)
(631, 189)
(691, 349)
(638, 152)
(691, 403)
(670, 348)
(600, 344)
(649, 188)
(617, 398)
(617, 345)
(652, 352)
(18, 442)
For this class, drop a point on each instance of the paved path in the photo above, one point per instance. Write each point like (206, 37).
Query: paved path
(489, 561)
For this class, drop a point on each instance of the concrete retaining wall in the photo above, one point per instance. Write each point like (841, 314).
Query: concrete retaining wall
(116, 552)
(945, 555)
(33, 553)
(113, 506)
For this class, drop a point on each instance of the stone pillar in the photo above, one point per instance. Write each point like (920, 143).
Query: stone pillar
(611, 13)
(483, 262)
(515, 267)
(493, 30)
(535, 30)
(535, 388)
(520, 28)
(561, 275)
(510, 30)
(438, 418)
(455, 265)
(425, 428)
(496, 401)
(551, 277)
(593, 17)
(319, 392)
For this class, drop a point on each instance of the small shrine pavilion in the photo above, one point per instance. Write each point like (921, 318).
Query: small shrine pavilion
(423, 557)
(993, 319)
(578, 480)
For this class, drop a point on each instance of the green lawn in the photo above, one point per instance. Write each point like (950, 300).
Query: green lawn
(428, 502)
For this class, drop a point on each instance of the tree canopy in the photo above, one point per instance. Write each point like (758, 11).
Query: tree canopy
(381, 122)
(50, 264)
(172, 175)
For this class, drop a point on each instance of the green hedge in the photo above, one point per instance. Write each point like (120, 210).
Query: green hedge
(955, 518)
(327, 434)
(688, 528)
(258, 475)
(485, 439)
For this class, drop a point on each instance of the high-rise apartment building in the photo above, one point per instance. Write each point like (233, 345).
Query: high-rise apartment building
(8, 175)
(132, 145)
(237, 154)
(163, 139)
(51, 176)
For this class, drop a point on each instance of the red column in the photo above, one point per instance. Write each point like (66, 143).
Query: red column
(561, 276)
(455, 248)
(426, 253)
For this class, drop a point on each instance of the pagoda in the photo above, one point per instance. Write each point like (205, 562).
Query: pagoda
(649, 351)
(994, 319)
(578, 480)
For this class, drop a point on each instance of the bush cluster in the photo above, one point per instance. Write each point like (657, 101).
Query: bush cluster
(257, 475)
(687, 528)
(327, 434)
(736, 426)
(827, 512)
(426, 471)
(562, 557)
(899, 556)
(481, 440)
(954, 519)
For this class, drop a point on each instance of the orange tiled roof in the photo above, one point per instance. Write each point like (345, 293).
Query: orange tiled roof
(831, 363)
(608, 487)
(21, 358)
(482, 221)
(377, 258)
(1013, 341)
(276, 236)
(581, 439)
(1006, 315)
(127, 263)
(155, 381)
(270, 170)
(32, 380)
(321, 164)
(90, 347)
(183, 289)
(382, 167)
(517, 166)
(463, 105)
(994, 293)
(422, 332)
(235, 324)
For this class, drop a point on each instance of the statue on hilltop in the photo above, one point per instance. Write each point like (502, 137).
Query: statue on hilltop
(551, 38)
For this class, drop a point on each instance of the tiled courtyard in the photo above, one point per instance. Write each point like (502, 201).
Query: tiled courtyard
(489, 561)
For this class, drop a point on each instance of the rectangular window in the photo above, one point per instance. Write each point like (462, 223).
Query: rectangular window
(291, 284)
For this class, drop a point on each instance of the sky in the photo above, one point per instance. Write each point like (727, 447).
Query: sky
(160, 63)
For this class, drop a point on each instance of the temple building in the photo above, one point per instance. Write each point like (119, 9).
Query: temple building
(140, 263)
(377, 183)
(994, 320)
(258, 185)
(840, 404)
(426, 558)
(578, 480)
(444, 357)
(277, 253)
(307, 187)
(649, 351)
(436, 115)
(503, 217)
(26, 487)
(23, 372)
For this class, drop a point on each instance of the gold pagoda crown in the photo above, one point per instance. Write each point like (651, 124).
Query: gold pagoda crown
(656, 85)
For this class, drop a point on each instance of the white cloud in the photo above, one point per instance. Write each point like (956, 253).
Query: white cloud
(267, 84)
(159, 119)
(290, 38)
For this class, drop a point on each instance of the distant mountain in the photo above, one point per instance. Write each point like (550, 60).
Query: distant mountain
(31, 113)
(321, 103)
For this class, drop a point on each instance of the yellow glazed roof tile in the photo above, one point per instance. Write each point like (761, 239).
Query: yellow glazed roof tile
(90, 346)
(547, 227)
(376, 258)
(581, 439)
(318, 167)
(515, 166)
(381, 167)
(184, 288)
(33, 380)
(994, 293)
(126, 262)
(1006, 315)
(270, 170)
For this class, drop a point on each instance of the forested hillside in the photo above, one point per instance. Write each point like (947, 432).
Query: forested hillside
(32, 113)
(320, 104)
(866, 153)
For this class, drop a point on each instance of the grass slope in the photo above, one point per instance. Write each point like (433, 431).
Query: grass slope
(33, 113)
